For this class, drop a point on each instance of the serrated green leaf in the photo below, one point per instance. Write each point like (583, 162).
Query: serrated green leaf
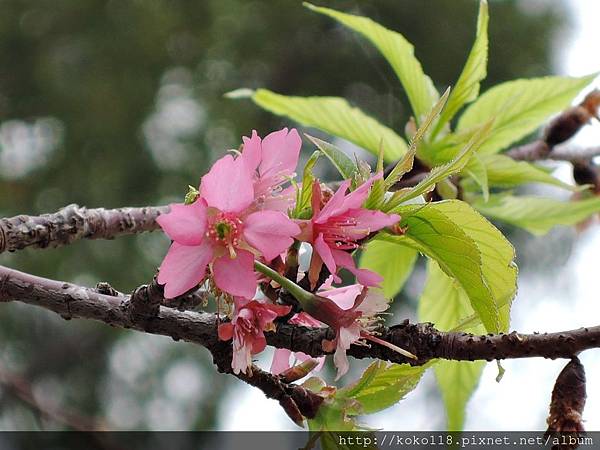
(377, 194)
(478, 172)
(398, 52)
(304, 193)
(503, 171)
(444, 303)
(383, 385)
(392, 261)
(439, 173)
(406, 163)
(344, 164)
(497, 254)
(469, 249)
(520, 107)
(435, 235)
(537, 215)
(467, 87)
(334, 115)
(400, 169)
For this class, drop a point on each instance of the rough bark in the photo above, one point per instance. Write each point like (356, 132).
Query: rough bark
(423, 340)
(72, 223)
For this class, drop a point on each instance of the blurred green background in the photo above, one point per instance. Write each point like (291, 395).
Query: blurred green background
(120, 103)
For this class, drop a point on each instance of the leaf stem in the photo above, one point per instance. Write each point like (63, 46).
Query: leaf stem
(304, 297)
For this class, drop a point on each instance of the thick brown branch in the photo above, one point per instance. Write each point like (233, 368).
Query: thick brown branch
(142, 311)
(72, 223)
(423, 340)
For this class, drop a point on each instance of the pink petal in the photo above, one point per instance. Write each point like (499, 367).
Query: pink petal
(280, 151)
(273, 311)
(334, 205)
(240, 303)
(258, 343)
(306, 320)
(343, 297)
(372, 220)
(185, 224)
(228, 185)
(346, 336)
(251, 152)
(281, 360)
(321, 360)
(357, 197)
(367, 277)
(302, 357)
(374, 303)
(282, 201)
(317, 197)
(225, 331)
(363, 276)
(242, 357)
(270, 232)
(325, 253)
(184, 267)
(236, 276)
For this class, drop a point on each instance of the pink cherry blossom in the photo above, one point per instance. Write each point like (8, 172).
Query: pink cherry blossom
(272, 161)
(336, 228)
(250, 320)
(223, 231)
(352, 312)
(282, 356)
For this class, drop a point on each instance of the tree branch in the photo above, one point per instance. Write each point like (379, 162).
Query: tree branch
(423, 340)
(72, 223)
(142, 311)
(560, 129)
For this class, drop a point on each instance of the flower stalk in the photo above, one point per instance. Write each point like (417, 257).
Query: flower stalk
(304, 297)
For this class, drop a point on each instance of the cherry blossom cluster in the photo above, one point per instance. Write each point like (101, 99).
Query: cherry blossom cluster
(240, 220)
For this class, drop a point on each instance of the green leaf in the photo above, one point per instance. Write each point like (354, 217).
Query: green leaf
(538, 215)
(304, 193)
(497, 254)
(467, 87)
(439, 173)
(445, 303)
(336, 415)
(383, 385)
(398, 52)
(377, 194)
(392, 261)
(345, 166)
(191, 195)
(469, 249)
(405, 164)
(435, 235)
(520, 107)
(457, 380)
(335, 116)
(477, 170)
(503, 171)
(239, 93)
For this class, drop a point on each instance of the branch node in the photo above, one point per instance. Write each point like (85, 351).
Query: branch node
(145, 300)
